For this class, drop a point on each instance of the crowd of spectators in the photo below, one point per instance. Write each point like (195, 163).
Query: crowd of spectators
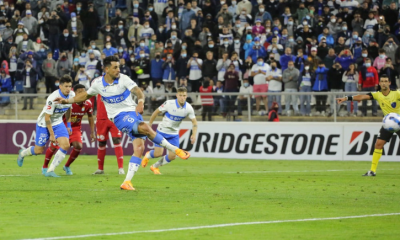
(228, 46)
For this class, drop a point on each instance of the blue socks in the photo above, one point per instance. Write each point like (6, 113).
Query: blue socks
(151, 154)
(63, 151)
(135, 160)
(158, 139)
(166, 158)
(33, 151)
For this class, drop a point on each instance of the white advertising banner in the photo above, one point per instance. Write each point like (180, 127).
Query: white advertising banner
(287, 141)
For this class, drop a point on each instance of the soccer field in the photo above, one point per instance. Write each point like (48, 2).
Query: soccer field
(201, 199)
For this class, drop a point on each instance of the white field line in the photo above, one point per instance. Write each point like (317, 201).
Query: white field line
(215, 226)
(15, 175)
(310, 171)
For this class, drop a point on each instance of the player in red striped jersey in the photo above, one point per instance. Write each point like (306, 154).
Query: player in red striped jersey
(75, 139)
(103, 127)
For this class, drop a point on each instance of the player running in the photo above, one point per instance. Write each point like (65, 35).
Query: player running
(175, 111)
(390, 103)
(75, 139)
(103, 127)
(50, 126)
(115, 90)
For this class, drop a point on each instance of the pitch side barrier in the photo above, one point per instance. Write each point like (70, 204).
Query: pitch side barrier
(243, 140)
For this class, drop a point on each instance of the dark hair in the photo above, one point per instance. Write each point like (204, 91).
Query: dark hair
(384, 76)
(107, 61)
(79, 86)
(65, 79)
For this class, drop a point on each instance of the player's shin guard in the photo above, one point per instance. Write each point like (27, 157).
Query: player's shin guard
(60, 155)
(158, 139)
(150, 154)
(163, 161)
(119, 153)
(133, 167)
(74, 154)
(101, 154)
(28, 152)
(49, 154)
(375, 159)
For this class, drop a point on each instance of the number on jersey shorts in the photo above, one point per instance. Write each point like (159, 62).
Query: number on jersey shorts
(128, 122)
(43, 135)
(171, 138)
(103, 127)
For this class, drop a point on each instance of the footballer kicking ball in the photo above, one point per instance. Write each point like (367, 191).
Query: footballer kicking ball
(391, 122)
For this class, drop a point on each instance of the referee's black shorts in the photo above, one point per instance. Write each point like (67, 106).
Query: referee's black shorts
(386, 135)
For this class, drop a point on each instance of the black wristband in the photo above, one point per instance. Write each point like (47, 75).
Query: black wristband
(349, 98)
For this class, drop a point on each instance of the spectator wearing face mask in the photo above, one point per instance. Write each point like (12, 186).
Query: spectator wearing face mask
(66, 43)
(109, 50)
(29, 78)
(75, 27)
(335, 83)
(320, 85)
(380, 61)
(169, 69)
(368, 81)
(142, 47)
(257, 50)
(124, 69)
(181, 66)
(64, 66)
(159, 98)
(91, 64)
(345, 58)
(156, 71)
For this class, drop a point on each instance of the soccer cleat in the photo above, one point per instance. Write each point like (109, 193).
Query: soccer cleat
(127, 185)
(182, 154)
(67, 170)
(51, 174)
(20, 159)
(121, 171)
(155, 170)
(98, 171)
(369, 174)
(44, 171)
(145, 160)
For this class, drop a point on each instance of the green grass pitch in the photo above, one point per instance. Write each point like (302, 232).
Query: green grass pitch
(201, 192)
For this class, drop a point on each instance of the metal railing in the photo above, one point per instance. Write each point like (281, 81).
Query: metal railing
(196, 98)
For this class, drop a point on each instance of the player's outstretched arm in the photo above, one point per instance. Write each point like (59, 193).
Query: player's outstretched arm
(153, 116)
(83, 96)
(140, 96)
(360, 97)
(194, 130)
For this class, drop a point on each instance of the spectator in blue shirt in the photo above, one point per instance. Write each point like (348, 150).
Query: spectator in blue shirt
(345, 58)
(186, 16)
(108, 50)
(257, 50)
(142, 47)
(284, 60)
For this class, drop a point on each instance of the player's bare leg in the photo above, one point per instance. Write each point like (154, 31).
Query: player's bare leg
(63, 142)
(375, 157)
(76, 150)
(134, 163)
(145, 129)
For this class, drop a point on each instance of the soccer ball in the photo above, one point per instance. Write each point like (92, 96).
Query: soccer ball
(391, 122)
(262, 113)
(139, 71)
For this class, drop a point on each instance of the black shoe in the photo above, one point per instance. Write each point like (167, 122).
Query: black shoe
(374, 114)
(369, 174)
(31, 108)
(24, 108)
(329, 114)
(240, 114)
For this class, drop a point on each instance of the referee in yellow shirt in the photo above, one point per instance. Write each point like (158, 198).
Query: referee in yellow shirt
(389, 101)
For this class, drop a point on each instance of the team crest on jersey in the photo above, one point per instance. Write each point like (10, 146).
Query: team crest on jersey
(49, 103)
(83, 108)
(393, 104)
(101, 137)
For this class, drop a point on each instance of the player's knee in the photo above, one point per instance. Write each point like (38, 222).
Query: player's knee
(116, 141)
(64, 146)
(39, 150)
(78, 146)
(379, 144)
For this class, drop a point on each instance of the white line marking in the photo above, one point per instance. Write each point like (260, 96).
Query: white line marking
(215, 226)
(15, 175)
(306, 171)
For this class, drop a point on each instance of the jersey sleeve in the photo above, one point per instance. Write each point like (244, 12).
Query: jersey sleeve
(89, 107)
(163, 108)
(128, 83)
(50, 105)
(191, 114)
(93, 91)
(373, 95)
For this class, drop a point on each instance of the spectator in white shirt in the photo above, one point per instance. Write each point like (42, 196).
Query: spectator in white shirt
(275, 85)
(259, 72)
(246, 91)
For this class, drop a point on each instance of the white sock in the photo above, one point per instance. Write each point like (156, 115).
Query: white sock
(161, 162)
(56, 161)
(26, 152)
(164, 143)
(132, 169)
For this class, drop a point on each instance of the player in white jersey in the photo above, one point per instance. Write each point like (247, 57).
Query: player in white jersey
(175, 111)
(115, 90)
(50, 125)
